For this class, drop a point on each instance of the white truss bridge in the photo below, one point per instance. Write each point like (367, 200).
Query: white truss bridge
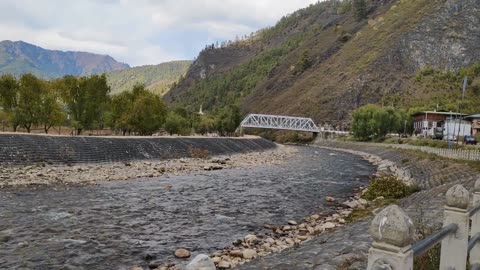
(279, 122)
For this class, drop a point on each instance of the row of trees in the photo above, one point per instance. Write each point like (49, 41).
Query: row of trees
(85, 103)
(375, 122)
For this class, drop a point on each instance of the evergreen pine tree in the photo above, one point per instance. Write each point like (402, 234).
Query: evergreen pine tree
(360, 9)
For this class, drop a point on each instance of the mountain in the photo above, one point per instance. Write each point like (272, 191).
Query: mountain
(325, 60)
(157, 78)
(20, 57)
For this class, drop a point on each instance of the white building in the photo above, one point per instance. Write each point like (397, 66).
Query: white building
(456, 127)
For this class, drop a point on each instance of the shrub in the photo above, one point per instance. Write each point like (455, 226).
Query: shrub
(195, 152)
(390, 187)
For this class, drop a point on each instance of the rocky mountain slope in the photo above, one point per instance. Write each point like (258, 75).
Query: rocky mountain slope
(20, 57)
(158, 78)
(323, 62)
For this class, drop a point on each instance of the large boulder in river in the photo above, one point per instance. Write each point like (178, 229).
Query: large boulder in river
(201, 262)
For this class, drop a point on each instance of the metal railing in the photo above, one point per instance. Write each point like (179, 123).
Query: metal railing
(393, 232)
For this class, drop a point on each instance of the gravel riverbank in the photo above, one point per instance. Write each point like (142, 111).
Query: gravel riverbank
(45, 174)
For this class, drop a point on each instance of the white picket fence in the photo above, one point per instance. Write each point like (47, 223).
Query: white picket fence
(472, 155)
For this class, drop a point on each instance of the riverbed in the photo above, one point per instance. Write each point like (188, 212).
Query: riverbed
(116, 225)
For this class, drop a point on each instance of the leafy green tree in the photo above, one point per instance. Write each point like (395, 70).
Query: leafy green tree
(86, 99)
(228, 120)
(177, 124)
(206, 124)
(372, 121)
(8, 92)
(138, 111)
(119, 114)
(51, 113)
(360, 9)
(29, 108)
(9, 99)
(147, 114)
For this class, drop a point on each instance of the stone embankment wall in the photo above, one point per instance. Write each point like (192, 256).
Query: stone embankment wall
(34, 149)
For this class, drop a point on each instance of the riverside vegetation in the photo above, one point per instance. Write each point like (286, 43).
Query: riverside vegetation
(85, 103)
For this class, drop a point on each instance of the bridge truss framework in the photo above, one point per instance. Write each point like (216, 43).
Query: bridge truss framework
(279, 122)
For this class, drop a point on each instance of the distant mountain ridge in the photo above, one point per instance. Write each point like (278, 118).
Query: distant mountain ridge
(157, 78)
(18, 57)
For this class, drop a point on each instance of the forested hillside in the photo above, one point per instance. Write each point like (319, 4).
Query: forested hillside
(332, 57)
(157, 78)
(18, 58)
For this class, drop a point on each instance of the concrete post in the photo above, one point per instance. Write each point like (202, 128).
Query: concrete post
(455, 246)
(393, 232)
(475, 252)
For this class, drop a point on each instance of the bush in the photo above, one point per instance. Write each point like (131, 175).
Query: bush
(177, 124)
(374, 122)
(390, 187)
(195, 152)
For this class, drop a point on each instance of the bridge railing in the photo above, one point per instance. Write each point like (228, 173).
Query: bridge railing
(279, 122)
(393, 233)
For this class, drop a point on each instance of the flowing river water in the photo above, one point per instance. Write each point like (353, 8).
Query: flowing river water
(116, 225)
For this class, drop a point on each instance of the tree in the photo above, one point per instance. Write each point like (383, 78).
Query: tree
(29, 107)
(147, 114)
(360, 9)
(206, 124)
(119, 114)
(8, 99)
(86, 99)
(177, 124)
(372, 121)
(51, 113)
(305, 62)
(228, 120)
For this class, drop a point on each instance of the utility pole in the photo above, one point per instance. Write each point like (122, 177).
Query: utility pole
(465, 80)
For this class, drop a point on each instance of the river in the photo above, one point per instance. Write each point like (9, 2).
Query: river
(116, 225)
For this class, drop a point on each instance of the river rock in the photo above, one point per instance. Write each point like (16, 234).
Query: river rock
(363, 201)
(270, 240)
(249, 254)
(224, 265)
(136, 268)
(328, 225)
(182, 253)
(236, 253)
(201, 262)
(250, 239)
(292, 222)
(329, 199)
(352, 204)
(290, 241)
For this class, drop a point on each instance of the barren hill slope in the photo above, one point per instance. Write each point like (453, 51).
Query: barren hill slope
(322, 62)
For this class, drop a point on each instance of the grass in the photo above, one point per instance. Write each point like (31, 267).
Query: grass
(389, 187)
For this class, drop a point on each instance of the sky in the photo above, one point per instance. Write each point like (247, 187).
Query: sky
(138, 32)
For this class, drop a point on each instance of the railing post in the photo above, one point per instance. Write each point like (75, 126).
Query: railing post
(455, 246)
(393, 232)
(475, 252)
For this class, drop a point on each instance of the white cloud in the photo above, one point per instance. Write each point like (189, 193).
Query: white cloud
(137, 32)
